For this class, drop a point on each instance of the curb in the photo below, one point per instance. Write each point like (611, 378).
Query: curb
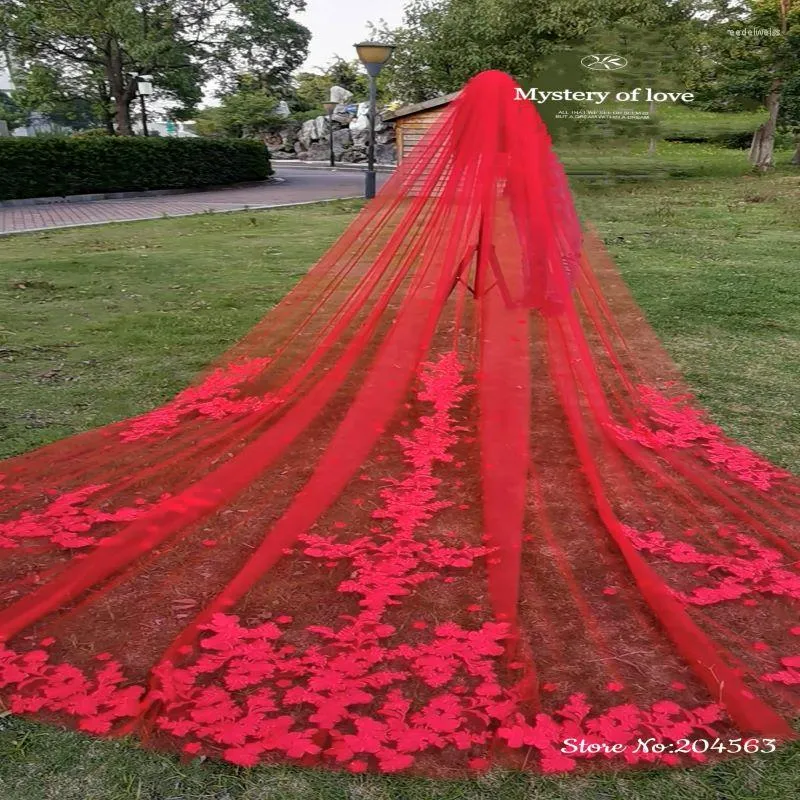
(343, 167)
(175, 216)
(89, 198)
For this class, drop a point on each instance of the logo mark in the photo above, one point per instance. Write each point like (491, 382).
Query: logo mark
(604, 62)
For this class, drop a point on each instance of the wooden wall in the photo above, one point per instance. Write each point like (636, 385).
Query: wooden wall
(409, 130)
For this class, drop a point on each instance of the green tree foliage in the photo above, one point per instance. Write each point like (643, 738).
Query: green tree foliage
(242, 114)
(312, 89)
(10, 112)
(737, 72)
(179, 42)
(64, 100)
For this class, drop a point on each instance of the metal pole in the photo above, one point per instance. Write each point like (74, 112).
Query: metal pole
(144, 116)
(373, 110)
(330, 133)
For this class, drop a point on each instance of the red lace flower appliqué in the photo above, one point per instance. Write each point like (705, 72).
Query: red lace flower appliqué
(354, 694)
(683, 426)
(329, 686)
(790, 676)
(97, 701)
(556, 736)
(756, 570)
(65, 522)
(217, 397)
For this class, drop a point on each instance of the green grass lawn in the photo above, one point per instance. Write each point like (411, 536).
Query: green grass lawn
(101, 323)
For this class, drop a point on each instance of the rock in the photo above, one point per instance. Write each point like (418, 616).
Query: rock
(274, 141)
(344, 114)
(361, 121)
(310, 140)
(313, 130)
(352, 156)
(385, 154)
(306, 134)
(340, 95)
(318, 151)
(341, 141)
(359, 127)
(360, 138)
(282, 109)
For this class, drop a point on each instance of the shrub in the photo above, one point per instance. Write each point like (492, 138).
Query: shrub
(91, 132)
(735, 140)
(57, 167)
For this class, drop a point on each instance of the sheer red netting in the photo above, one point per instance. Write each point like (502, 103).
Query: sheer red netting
(448, 504)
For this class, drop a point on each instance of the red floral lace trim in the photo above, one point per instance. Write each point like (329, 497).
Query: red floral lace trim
(682, 426)
(97, 702)
(753, 569)
(347, 698)
(64, 522)
(789, 676)
(217, 397)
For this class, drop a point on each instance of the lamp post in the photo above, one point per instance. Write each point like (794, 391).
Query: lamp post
(145, 88)
(329, 107)
(373, 56)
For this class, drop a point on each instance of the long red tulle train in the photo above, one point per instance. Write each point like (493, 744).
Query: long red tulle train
(447, 505)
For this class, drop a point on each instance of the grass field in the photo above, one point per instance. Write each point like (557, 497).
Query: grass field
(102, 323)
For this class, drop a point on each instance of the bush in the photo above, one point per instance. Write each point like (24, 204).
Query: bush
(735, 140)
(91, 132)
(58, 167)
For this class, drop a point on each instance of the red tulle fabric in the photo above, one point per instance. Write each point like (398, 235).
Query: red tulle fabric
(448, 505)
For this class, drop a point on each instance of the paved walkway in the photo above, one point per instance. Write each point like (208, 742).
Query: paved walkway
(300, 185)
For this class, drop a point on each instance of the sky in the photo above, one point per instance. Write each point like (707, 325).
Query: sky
(336, 25)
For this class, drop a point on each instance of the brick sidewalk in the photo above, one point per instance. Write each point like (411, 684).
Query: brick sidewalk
(299, 186)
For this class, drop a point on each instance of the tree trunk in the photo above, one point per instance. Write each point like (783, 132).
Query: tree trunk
(652, 146)
(105, 104)
(763, 144)
(122, 117)
(796, 157)
(122, 90)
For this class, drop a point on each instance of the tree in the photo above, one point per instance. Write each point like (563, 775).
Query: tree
(247, 113)
(10, 112)
(312, 89)
(739, 72)
(66, 102)
(789, 117)
(178, 42)
(779, 55)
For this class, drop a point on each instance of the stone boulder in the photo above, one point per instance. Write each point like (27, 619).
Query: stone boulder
(340, 95)
(359, 127)
(313, 130)
(318, 151)
(385, 153)
(341, 141)
(353, 156)
(344, 114)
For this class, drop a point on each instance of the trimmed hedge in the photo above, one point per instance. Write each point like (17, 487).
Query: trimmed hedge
(735, 140)
(58, 167)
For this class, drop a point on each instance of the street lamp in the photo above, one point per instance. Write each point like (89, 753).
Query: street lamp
(144, 87)
(329, 107)
(373, 56)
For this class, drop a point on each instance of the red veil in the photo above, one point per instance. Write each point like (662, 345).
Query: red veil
(447, 504)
